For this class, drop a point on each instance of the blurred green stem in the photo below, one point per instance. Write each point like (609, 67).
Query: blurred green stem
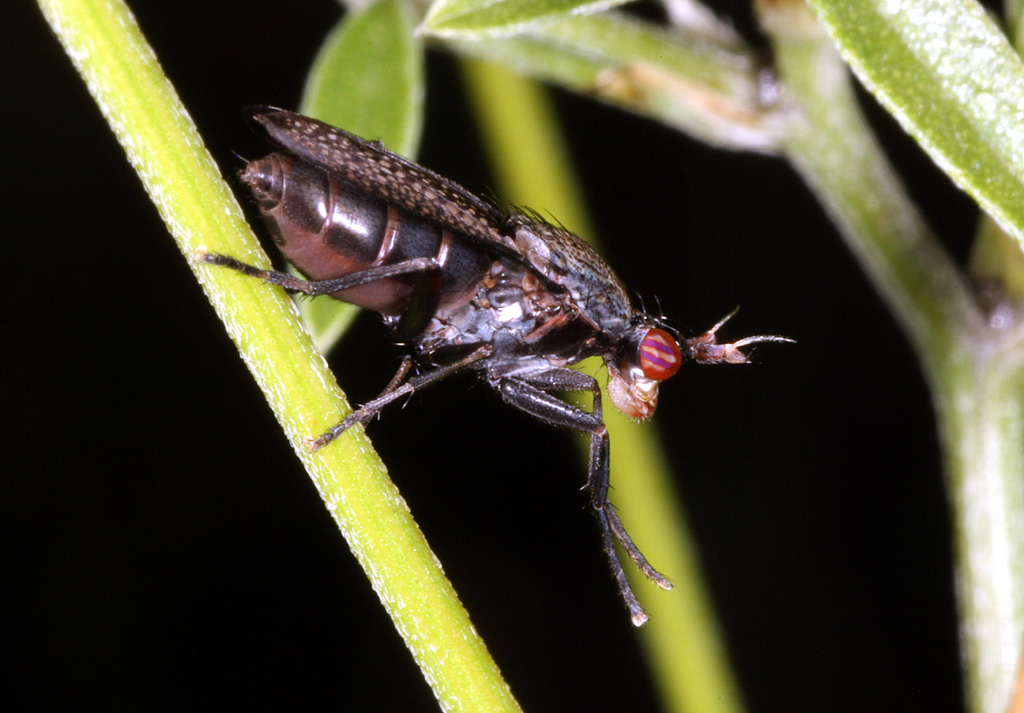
(682, 80)
(974, 370)
(682, 639)
(971, 352)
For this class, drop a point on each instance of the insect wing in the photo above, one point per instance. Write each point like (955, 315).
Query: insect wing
(385, 175)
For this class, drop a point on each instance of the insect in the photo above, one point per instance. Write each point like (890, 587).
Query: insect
(466, 284)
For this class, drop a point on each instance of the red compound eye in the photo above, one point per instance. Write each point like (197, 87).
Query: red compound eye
(659, 355)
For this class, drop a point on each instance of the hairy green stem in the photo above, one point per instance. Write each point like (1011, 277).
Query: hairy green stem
(981, 420)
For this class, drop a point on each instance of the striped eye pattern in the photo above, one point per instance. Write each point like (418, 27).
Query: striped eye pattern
(660, 357)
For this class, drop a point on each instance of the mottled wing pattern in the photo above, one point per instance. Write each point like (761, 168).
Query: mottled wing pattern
(579, 269)
(394, 180)
(581, 259)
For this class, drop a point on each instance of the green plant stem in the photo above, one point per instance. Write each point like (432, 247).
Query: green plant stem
(682, 639)
(981, 421)
(708, 90)
(121, 71)
(975, 371)
(969, 120)
(833, 148)
(973, 368)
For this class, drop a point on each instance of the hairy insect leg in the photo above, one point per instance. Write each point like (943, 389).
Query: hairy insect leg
(362, 415)
(396, 389)
(529, 393)
(322, 287)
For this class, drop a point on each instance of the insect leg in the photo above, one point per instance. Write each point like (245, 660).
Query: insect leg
(529, 393)
(396, 389)
(323, 287)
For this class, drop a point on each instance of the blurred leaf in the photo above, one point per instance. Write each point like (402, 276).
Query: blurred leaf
(367, 79)
(688, 81)
(477, 19)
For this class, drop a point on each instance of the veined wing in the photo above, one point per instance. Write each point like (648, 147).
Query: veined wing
(371, 168)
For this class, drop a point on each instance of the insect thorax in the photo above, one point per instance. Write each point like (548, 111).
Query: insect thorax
(512, 310)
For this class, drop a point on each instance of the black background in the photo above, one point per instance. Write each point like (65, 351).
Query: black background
(162, 548)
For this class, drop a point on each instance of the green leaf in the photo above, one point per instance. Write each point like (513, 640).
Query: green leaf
(477, 19)
(367, 79)
(951, 78)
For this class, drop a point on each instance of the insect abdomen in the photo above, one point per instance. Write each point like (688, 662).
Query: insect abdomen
(328, 229)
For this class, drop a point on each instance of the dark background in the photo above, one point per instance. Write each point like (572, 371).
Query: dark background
(162, 549)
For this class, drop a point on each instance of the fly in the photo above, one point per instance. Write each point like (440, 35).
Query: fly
(466, 284)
